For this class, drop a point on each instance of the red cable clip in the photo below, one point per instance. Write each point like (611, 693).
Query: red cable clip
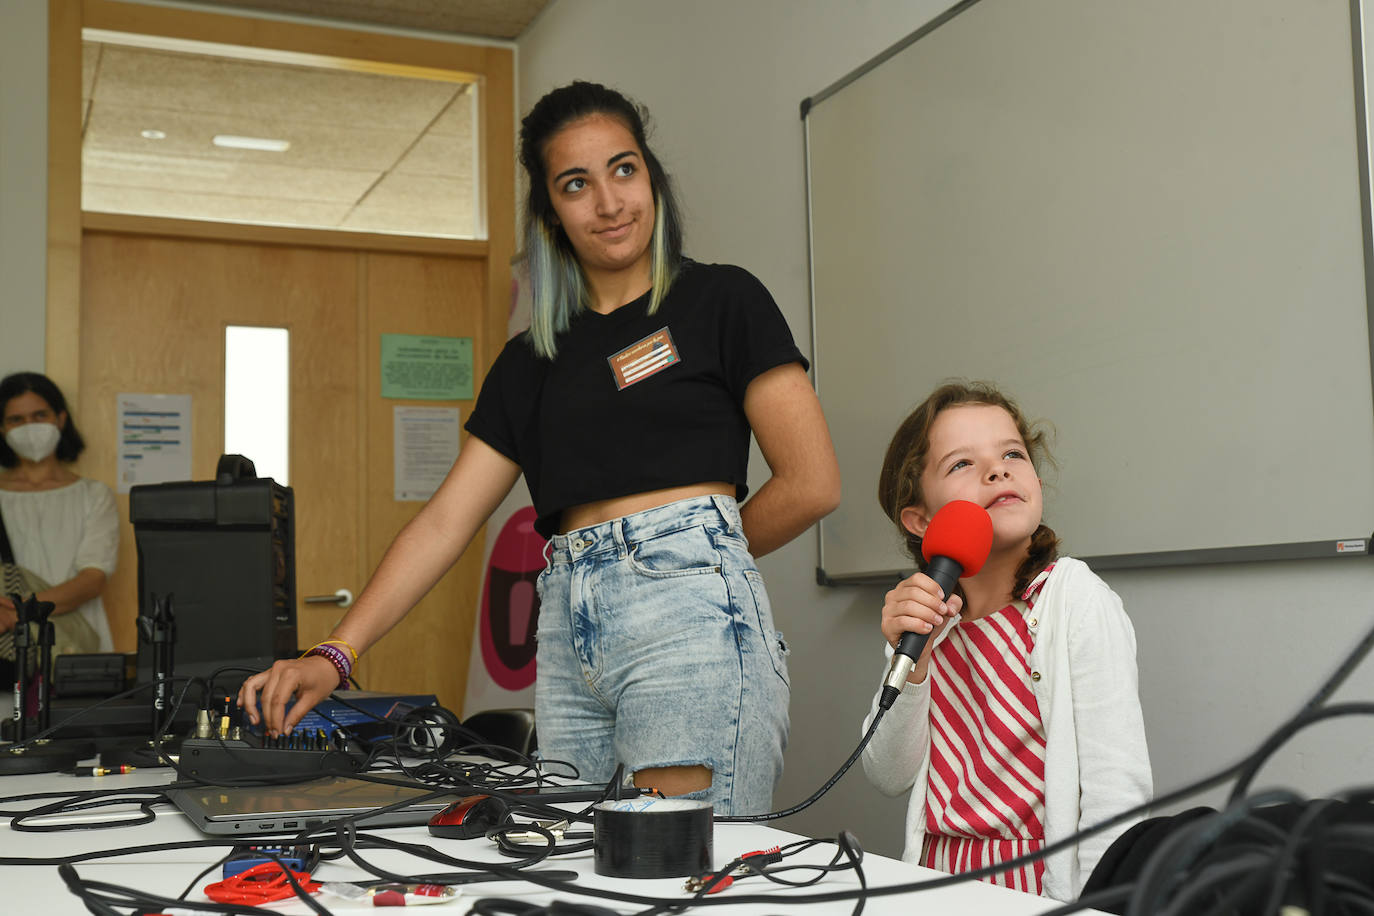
(749, 864)
(695, 884)
(259, 884)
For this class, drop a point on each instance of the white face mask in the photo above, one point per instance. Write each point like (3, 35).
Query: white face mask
(34, 441)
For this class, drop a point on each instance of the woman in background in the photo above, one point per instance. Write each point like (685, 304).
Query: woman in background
(62, 527)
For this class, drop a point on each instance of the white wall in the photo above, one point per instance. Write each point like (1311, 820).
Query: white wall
(23, 183)
(1226, 652)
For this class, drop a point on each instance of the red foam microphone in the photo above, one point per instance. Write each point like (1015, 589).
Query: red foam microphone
(956, 544)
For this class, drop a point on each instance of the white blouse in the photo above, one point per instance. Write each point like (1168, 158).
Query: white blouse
(57, 533)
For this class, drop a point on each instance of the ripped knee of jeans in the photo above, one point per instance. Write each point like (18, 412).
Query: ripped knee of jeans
(674, 780)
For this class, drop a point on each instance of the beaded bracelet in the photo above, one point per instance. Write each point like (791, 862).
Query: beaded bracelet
(335, 642)
(340, 642)
(336, 657)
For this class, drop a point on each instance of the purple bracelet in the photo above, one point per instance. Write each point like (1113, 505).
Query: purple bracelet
(337, 657)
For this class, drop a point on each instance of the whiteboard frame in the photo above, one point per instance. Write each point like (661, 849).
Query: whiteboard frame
(1341, 547)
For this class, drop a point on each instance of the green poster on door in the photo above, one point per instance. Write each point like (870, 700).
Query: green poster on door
(426, 368)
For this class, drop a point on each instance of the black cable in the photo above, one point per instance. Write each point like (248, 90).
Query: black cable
(1288, 853)
(1298, 722)
(1327, 688)
(497, 906)
(73, 882)
(845, 843)
(1254, 866)
(1263, 862)
(89, 892)
(907, 887)
(1251, 766)
(148, 815)
(1049, 849)
(79, 857)
(800, 899)
(53, 730)
(410, 719)
(506, 846)
(473, 871)
(72, 793)
(1361, 902)
(854, 852)
(815, 796)
(348, 841)
(1352, 660)
(205, 871)
(1177, 853)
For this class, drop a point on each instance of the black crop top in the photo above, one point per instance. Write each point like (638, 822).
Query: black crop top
(637, 402)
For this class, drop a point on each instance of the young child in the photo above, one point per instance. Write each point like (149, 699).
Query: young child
(1020, 723)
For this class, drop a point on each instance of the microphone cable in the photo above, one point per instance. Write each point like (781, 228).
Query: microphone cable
(815, 796)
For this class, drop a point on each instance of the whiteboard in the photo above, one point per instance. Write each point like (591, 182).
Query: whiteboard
(1148, 223)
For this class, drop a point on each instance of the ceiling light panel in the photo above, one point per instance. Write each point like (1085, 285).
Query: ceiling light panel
(261, 144)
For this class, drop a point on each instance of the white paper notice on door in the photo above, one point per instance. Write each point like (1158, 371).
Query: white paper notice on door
(154, 438)
(425, 445)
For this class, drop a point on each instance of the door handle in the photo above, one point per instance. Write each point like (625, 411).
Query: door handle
(343, 598)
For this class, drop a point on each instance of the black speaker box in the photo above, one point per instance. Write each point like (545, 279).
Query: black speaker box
(225, 551)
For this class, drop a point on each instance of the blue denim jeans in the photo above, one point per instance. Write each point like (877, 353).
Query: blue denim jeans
(657, 648)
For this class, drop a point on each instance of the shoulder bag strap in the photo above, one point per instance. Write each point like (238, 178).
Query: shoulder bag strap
(6, 552)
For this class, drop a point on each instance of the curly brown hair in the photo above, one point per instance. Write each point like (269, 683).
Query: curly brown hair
(899, 482)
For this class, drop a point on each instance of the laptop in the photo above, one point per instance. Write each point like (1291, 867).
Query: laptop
(256, 810)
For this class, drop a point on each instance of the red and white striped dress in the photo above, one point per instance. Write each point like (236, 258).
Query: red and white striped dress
(986, 797)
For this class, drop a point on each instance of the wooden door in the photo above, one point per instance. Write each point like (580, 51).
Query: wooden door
(154, 313)
(428, 652)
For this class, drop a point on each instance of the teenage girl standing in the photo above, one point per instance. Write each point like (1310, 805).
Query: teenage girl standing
(1020, 723)
(629, 406)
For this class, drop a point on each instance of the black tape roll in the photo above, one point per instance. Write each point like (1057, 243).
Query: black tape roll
(652, 838)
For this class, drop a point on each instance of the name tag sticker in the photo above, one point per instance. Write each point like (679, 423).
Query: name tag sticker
(644, 358)
(1355, 546)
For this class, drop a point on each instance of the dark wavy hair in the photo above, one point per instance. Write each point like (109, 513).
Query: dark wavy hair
(70, 445)
(899, 482)
(557, 285)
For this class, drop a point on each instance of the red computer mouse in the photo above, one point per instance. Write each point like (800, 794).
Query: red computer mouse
(469, 817)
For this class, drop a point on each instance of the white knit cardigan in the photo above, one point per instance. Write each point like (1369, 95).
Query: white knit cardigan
(1096, 761)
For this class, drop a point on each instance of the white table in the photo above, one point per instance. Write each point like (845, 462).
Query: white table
(38, 889)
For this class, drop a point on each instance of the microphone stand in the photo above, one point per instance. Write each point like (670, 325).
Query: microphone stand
(39, 754)
(158, 631)
(47, 640)
(22, 639)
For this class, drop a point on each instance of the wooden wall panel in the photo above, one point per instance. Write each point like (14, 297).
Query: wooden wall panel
(63, 312)
(429, 650)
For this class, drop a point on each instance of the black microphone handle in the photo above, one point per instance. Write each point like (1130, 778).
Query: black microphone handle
(945, 572)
